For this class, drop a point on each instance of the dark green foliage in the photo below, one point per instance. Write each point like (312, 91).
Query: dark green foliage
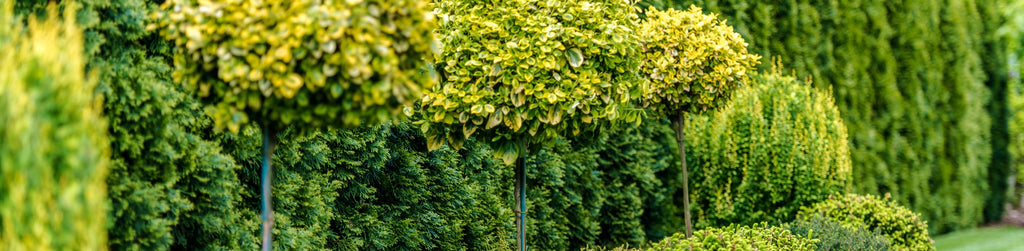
(904, 229)
(909, 78)
(168, 187)
(378, 188)
(832, 235)
(777, 146)
(607, 189)
(54, 150)
(734, 237)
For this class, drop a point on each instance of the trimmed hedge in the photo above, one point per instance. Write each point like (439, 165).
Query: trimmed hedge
(54, 151)
(832, 235)
(903, 228)
(734, 237)
(379, 188)
(919, 84)
(777, 146)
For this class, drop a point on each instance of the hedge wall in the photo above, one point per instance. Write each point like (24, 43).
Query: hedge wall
(378, 188)
(914, 82)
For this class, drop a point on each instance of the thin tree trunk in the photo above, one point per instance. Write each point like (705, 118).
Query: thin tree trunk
(680, 125)
(520, 196)
(269, 143)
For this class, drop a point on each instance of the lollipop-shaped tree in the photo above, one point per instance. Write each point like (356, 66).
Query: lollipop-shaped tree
(694, 62)
(306, 63)
(517, 73)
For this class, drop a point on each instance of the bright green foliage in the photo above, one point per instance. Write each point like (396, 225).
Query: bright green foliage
(909, 78)
(734, 237)
(309, 62)
(531, 69)
(832, 235)
(55, 152)
(168, 188)
(1013, 34)
(693, 60)
(777, 146)
(904, 229)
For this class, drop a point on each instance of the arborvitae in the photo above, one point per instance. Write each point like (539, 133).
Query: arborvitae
(168, 187)
(777, 146)
(55, 152)
(909, 78)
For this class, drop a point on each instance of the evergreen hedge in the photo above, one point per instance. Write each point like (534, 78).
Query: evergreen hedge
(777, 146)
(920, 85)
(54, 152)
(379, 188)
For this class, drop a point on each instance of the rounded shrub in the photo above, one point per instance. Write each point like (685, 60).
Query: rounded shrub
(777, 146)
(903, 228)
(757, 237)
(308, 63)
(54, 150)
(832, 235)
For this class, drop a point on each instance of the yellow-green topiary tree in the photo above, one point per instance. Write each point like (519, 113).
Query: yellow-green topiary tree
(693, 62)
(517, 73)
(305, 64)
(54, 151)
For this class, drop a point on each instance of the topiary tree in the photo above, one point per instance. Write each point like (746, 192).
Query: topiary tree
(307, 64)
(518, 73)
(736, 237)
(903, 228)
(55, 153)
(693, 62)
(777, 146)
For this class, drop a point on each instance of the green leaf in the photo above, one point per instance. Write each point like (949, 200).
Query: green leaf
(575, 57)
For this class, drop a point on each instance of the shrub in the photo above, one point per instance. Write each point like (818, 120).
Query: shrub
(904, 229)
(920, 85)
(777, 146)
(54, 153)
(832, 235)
(757, 237)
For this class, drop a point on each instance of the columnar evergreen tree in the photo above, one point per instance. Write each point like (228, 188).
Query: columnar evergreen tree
(693, 62)
(307, 64)
(519, 73)
(778, 145)
(918, 83)
(168, 187)
(54, 152)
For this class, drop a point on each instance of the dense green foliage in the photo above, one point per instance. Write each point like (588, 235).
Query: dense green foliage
(1013, 34)
(54, 153)
(312, 63)
(734, 237)
(531, 69)
(832, 235)
(914, 81)
(777, 146)
(168, 188)
(904, 229)
(693, 61)
(379, 188)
